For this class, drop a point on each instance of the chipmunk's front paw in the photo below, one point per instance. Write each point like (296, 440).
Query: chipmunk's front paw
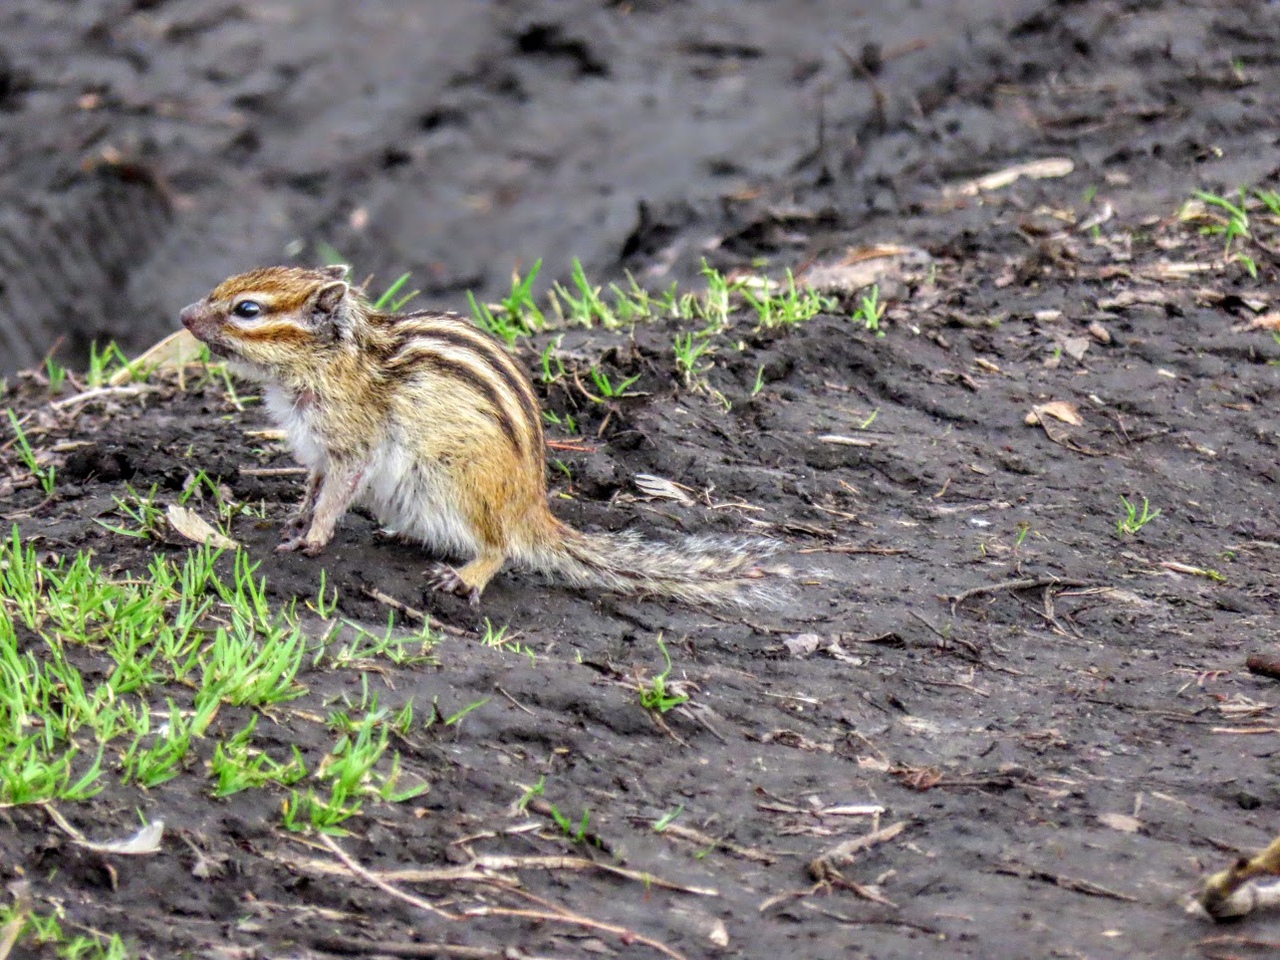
(294, 528)
(442, 577)
(291, 544)
(300, 544)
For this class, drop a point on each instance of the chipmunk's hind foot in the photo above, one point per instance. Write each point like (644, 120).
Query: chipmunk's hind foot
(442, 577)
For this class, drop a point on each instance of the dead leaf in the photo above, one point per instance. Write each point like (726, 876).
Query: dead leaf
(1075, 347)
(1127, 298)
(801, 646)
(1035, 170)
(1120, 821)
(862, 267)
(662, 488)
(146, 840)
(920, 725)
(1268, 321)
(176, 350)
(1100, 216)
(719, 934)
(1057, 409)
(194, 527)
(797, 741)
(845, 441)
(1099, 332)
(1176, 270)
(18, 912)
(837, 652)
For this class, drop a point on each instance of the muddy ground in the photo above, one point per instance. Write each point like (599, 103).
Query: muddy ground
(1068, 756)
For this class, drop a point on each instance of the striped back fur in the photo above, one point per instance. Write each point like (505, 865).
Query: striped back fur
(445, 345)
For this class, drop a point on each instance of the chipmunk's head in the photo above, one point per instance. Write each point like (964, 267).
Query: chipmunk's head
(276, 317)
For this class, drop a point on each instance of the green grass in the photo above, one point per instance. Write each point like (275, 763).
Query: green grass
(106, 363)
(553, 368)
(1134, 519)
(654, 693)
(237, 765)
(366, 647)
(109, 677)
(497, 637)
(36, 930)
(607, 389)
(705, 319)
(691, 350)
(516, 316)
(870, 310)
(581, 303)
(45, 475)
(576, 830)
(565, 422)
(392, 300)
(146, 518)
(1247, 219)
(785, 305)
(587, 305)
(348, 771)
(56, 374)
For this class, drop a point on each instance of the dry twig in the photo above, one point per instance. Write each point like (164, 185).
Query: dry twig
(369, 877)
(413, 614)
(354, 946)
(1029, 583)
(706, 840)
(824, 867)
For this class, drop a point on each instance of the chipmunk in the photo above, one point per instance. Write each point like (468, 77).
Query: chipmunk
(430, 424)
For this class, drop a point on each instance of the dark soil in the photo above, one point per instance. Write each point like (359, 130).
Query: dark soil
(995, 665)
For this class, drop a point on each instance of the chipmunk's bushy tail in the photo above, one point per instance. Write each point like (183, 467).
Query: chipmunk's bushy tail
(703, 570)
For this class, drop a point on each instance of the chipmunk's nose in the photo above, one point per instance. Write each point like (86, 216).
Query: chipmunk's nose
(191, 316)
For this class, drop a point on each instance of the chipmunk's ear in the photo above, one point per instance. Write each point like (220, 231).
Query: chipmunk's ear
(327, 301)
(337, 271)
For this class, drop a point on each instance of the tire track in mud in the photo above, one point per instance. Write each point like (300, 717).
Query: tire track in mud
(65, 261)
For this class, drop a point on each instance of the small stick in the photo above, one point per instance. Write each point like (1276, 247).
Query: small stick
(98, 392)
(1027, 584)
(516, 702)
(504, 862)
(702, 839)
(967, 644)
(272, 471)
(953, 683)
(623, 933)
(823, 866)
(381, 884)
(354, 945)
(411, 613)
(854, 548)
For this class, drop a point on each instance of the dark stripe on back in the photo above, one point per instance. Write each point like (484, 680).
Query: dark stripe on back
(460, 371)
(497, 358)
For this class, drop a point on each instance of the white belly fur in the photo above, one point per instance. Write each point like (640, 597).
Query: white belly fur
(284, 409)
(416, 500)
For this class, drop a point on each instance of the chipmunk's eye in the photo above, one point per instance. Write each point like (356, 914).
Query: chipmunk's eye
(248, 309)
